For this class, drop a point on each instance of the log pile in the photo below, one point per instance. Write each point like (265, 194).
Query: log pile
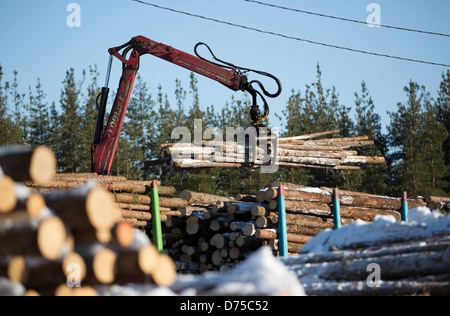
(132, 197)
(306, 151)
(219, 232)
(406, 268)
(65, 242)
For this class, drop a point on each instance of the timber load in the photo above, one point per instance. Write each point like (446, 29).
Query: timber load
(68, 241)
(307, 151)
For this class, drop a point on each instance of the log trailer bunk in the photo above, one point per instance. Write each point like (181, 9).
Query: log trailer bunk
(105, 142)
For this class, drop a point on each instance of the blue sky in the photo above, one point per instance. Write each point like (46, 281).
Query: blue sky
(37, 42)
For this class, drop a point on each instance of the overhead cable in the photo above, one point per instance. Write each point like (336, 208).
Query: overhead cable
(346, 19)
(296, 38)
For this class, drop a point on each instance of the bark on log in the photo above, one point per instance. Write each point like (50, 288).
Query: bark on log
(35, 273)
(203, 198)
(367, 214)
(31, 237)
(23, 163)
(88, 206)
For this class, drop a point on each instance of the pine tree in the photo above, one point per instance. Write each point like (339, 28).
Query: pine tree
(39, 122)
(139, 129)
(69, 150)
(5, 118)
(443, 115)
(54, 128)
(88, 115)
(405, 132)
(19, 128)
(432, 154)
(371, 178)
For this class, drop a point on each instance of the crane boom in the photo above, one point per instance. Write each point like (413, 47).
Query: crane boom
(105, 142)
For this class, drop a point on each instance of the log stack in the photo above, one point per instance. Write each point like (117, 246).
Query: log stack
(53, 241)
(307, 151)
(438, 203)
(406, 268)
(132, 197)
(221, 231)
(309, 210)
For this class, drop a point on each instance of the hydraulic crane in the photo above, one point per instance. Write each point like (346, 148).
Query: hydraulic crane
(105, 142)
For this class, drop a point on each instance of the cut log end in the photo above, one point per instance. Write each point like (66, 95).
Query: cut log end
(102, 211)
(165, 272)
(52, 237)
(123, 233)
(42, 165)
(8, 198)
(35, 205)
(73, 262)
(17, 271)
(148, 259)
(105, 266)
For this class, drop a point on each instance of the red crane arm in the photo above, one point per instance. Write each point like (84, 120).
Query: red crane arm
(103, 148)
(105, 143)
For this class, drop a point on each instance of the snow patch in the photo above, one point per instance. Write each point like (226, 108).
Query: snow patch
(260, 274)
(423, 223)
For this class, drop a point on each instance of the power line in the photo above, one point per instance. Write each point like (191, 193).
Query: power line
(295, 38)
(346, 19)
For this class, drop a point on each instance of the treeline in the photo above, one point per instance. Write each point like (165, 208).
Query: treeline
(416, 145)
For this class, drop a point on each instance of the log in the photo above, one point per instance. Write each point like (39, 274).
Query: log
(436, 199)
(35, 273)
(30, 237)
(8, 197)
(135, 207)
(202, 198)
(346, 198)
(272, 234)
(393, 268)
(16, 198)
(142, 216)
(23, 163)
(367, 214)
(249, 198)
(307, 137)
(125, 266)
(88, 206)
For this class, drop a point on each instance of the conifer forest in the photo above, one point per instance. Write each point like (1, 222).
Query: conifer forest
(415, 142)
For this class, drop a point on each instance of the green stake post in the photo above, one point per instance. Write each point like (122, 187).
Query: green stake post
(336, 209)
(404, 210)
(156, 218)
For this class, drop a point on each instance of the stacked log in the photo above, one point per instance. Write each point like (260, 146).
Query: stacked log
(309, 210)
(132, 197)
(406, 267)
(294, 152)
(438, 203)
(66, 242)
